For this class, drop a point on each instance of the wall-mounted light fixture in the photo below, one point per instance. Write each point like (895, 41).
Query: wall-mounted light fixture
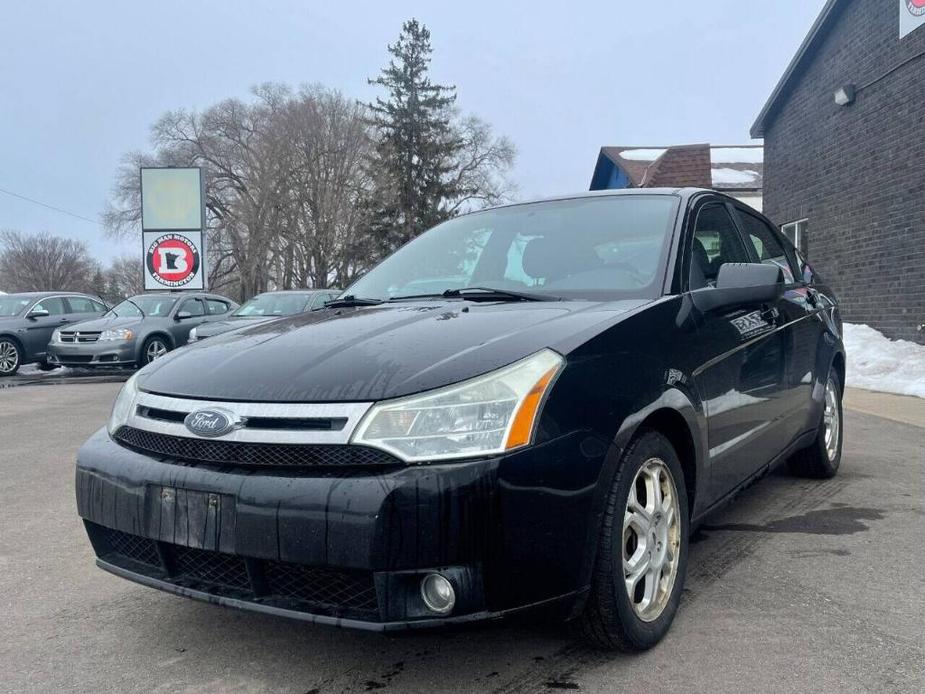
(845, 95)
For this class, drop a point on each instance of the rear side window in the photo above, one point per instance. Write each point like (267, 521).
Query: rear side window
(81, 304)
(768, 245)
(716, 241)
(54, 306)
(216, 307)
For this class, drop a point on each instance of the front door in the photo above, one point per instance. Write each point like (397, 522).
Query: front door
(40, 328)
(741, 358)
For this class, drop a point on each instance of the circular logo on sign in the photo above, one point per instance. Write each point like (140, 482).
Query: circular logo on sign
(172, 260)
(916, 7)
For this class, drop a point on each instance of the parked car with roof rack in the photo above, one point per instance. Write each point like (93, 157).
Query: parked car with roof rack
(138, 330)
(28, 320)
(264, 307)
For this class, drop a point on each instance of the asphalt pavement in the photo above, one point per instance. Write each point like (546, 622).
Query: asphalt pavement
(798, 586)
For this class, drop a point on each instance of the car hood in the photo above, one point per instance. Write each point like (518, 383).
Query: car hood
(106, 323)
(374, 353)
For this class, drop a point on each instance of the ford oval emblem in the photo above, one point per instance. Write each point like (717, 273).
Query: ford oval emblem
(211, 422)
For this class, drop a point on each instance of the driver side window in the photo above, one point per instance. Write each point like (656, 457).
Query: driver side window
(193, 306)
(716, 242)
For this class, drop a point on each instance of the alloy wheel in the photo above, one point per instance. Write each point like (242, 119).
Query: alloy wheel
(651, 539)
(831, 419)
(156, 349)
(9, 357)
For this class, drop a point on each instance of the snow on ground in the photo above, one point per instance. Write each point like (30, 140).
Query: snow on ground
(877, 363)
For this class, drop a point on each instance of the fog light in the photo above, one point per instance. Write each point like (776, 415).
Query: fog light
(438, 593)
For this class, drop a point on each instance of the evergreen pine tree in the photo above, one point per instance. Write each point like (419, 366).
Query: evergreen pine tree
(416, 143)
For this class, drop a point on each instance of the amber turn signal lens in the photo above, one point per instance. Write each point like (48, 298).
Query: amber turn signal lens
(522, 428)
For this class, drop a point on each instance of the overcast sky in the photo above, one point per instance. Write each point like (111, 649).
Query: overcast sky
(81, 82)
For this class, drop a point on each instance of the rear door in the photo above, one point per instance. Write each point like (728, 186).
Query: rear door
(800, 332)
(81, 308)
(196, 309)
(741, 358)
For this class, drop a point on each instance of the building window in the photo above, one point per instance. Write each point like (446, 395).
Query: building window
(797, 232)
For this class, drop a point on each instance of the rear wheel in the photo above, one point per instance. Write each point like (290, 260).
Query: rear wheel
(10, 357)
(642, 552)
(153, 348)
(822, 458)
(47, 366)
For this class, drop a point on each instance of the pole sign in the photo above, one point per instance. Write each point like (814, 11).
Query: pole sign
(911, 16)
(172, 223)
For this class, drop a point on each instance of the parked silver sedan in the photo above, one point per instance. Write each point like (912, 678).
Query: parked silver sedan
(138, 330)
(264, 307)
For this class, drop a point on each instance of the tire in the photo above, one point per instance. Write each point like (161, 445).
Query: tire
(10, 356)
(611, 619)
(821, 459)
(154, 347)
(45, 366)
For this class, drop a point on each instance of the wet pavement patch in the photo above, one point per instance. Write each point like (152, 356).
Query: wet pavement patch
(842, 520)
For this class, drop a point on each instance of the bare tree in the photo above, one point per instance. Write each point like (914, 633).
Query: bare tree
(124, 277)
(43, 262)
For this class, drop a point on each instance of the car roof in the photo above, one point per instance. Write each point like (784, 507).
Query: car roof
(299, 291)
(39, 295)
(618, 192)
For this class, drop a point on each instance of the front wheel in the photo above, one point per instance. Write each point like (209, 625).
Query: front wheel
(10, 357)
(153, 348)
(642, 552)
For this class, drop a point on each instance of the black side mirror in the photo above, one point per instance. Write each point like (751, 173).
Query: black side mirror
(183, 314)
(739, 284)
(38, 313)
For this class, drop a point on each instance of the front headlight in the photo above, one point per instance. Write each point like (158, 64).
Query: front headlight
(483, 416)
(117, 334)
(56, 336)
(193, 335)
(124, 404)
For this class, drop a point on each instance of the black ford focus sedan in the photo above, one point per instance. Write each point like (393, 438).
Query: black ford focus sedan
(525, 407)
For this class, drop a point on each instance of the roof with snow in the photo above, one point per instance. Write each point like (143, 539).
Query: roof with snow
(736, 168)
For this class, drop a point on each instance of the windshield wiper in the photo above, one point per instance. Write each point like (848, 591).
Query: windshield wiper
(492, 294)
(351, 300)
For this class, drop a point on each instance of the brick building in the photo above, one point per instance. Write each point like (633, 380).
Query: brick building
(735, 170)
(844, 154)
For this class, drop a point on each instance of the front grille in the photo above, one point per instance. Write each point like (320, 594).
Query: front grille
(76, 336)
(226, 570)
(133, 547)
(310, 589)
(321, 586)
(75, 358)
(258, 454)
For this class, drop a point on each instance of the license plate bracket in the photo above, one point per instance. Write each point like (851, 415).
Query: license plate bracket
(197, 519)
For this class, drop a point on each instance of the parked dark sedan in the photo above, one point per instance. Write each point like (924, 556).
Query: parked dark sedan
(584, 380)
(264, 307)
(138, 330)
(28, 320)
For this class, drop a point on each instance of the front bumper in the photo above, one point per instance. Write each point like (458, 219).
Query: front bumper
(100, 353)
(347, 546)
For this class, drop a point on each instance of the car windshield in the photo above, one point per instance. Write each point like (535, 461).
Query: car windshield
(598, 248)
(150, 305)
(12, 306)
(274, 305)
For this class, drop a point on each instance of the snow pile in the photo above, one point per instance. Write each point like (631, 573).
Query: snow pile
(878, 363)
